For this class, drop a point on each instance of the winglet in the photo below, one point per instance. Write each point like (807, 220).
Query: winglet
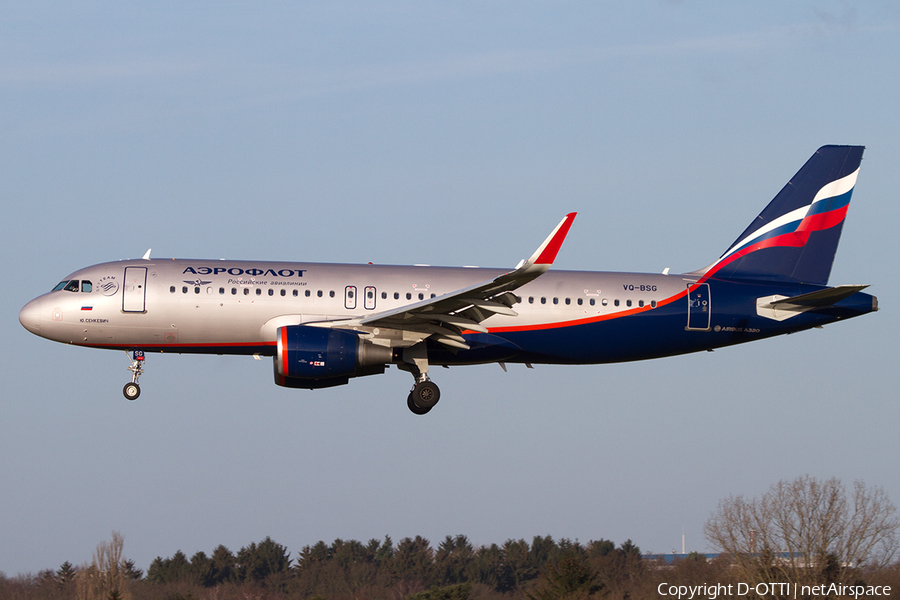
(546, 253)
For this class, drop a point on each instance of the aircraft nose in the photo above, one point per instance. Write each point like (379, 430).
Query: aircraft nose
(30, 316)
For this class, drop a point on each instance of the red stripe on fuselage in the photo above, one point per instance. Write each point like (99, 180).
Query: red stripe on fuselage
(586, 320)
(176, 347)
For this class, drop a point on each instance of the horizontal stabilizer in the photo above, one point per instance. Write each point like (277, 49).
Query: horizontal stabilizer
(779, 308)
(821, 298)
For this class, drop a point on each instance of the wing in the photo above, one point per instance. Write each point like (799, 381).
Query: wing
(445, 317)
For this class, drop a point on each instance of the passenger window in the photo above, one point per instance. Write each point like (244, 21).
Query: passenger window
(349, 294)
(172, 289)
(530, 299)
(556, 301)
(396, 295)
(308, 293)
(543, 300)
(628, 303)
(184, 289)
(271, 292)
(284, 292)
(408, 296)
(640, 302)
(259, 291)
(384, 295)
(594, 302)
(72, 287)
(296, 293)
(616, 302)
(421, 296)
(196, 289)
(86, 286)
(568, 301)
(233, 291)
(604, 302)
(331, 294)
(246, 291)
(653, 304)
(319, 293)
(221, 291)
(580, 301)
(432, 295)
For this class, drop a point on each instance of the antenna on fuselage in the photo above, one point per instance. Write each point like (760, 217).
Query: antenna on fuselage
(146, 255)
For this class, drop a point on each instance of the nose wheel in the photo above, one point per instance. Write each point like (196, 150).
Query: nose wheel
(132, 390)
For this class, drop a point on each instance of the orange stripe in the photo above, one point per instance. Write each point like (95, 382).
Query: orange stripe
(586, 320)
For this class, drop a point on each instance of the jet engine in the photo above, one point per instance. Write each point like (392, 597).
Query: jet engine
(317, 357)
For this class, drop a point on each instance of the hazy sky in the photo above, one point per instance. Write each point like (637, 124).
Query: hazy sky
(448, 134)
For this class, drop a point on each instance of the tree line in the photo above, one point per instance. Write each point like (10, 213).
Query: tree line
(412, 569)
(804, 530)
(345, 566)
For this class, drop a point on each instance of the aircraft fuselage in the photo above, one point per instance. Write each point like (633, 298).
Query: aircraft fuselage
(564, 317)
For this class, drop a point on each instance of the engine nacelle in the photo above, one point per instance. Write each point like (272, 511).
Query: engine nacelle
(316, 357)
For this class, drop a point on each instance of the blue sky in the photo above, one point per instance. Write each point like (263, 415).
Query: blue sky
(446, 134)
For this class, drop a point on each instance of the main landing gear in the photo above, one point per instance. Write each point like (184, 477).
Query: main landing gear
(422, 398)
(132, 390)
(425, 393)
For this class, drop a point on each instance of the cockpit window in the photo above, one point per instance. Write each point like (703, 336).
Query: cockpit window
(72, 286)
(60, 285)
(86, 286)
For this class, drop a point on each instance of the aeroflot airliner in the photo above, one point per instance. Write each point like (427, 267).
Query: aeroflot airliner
(325, 323)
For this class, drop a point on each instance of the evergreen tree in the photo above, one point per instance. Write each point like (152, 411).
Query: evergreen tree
(132, 572)
(571, 576)
(414, 560)
(224, 565)
(452, 559)
(65, 573)
(202, 570)
(256, 562)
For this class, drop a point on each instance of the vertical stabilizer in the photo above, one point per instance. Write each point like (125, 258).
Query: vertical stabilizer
(795, 237)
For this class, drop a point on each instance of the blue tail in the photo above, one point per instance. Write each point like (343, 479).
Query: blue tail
(796, 237)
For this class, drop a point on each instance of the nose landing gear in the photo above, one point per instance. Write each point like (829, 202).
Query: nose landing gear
(132, 390)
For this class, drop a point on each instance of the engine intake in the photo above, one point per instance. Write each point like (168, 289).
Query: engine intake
(316, 357)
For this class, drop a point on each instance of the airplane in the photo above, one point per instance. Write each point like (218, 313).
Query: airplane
(324, 324)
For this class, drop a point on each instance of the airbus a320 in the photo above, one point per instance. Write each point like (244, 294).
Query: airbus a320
(323, 324)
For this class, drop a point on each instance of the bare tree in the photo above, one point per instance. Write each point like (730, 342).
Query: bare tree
(807, 531)
(107, 576)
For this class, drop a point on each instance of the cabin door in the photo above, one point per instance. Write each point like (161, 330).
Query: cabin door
(134, 290)
(699, 307)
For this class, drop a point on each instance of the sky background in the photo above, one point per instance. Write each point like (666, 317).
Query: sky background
(447, 134)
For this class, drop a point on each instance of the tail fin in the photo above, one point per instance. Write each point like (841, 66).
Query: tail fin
(796, 237)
